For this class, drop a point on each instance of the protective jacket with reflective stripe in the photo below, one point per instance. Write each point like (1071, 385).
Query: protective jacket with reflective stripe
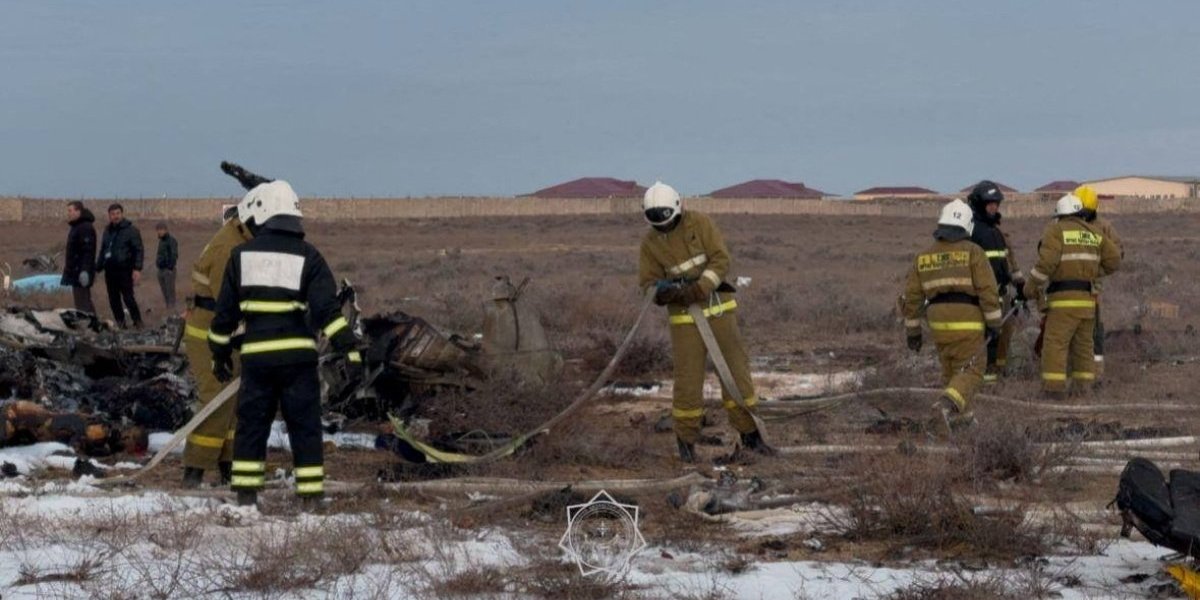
(987, 235)
(694, 251)
(209, 271)
(957, 271)
(273, 283)
(1072, 251)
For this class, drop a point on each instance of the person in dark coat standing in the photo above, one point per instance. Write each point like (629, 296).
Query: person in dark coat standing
(121, 256)
(79, 272)
(168, 255)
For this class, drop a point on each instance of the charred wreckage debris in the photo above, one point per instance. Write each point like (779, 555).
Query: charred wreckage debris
(69, 377)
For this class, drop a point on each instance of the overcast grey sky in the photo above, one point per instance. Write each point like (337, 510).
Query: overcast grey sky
(423, 98)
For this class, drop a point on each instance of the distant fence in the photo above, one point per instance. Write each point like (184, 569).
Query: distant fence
(370, 209)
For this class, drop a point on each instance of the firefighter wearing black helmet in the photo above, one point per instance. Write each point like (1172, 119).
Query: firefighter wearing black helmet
(985, 201)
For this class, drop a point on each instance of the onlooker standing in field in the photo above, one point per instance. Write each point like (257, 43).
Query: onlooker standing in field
(685, 251)
(121, 261)
(79, 272)
(168, 255)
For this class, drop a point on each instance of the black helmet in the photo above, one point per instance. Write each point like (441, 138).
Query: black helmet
(984, 193)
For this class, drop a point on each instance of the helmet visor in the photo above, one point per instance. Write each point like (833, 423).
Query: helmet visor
(660, 215)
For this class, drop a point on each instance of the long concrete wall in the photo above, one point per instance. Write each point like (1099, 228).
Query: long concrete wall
(371, 209)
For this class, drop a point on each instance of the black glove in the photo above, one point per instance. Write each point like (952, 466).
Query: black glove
(1019, 300)
(667, 293)
(992, 334)
(222, 366)
(914, 342)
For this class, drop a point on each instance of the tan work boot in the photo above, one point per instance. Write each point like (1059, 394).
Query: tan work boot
(948, 418)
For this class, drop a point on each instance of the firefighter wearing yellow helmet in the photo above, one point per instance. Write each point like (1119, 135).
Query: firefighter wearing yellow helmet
(953, 285)
(685, 256)
(1072, 255)
(1091, 210)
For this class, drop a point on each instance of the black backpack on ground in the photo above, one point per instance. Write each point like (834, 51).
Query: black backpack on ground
(1166, 512)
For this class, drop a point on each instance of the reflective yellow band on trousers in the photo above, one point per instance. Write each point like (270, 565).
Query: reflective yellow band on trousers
(957, 326)
(246, 480)
(1082, 375)
(687, 413)
(956, 397)
(206, 441)
(272, 306)
(310, 487)
(335, 326)
(279, 345)
(1054, 376)
(708, 312)
(248, 466)
(1072, 304)
(751, 402)
(195, 332)
(306, 472)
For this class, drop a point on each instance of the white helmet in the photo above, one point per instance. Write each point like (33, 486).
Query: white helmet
(1068, 205)
(266, 200)
(661, 204)
(957, 213)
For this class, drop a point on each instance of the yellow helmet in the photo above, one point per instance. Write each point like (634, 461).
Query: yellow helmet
(1087, 195)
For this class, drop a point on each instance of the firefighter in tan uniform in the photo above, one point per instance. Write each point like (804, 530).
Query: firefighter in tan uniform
(1091, 214)
(211, 444)
(1072, 255)
(952, 282)
(685, 256)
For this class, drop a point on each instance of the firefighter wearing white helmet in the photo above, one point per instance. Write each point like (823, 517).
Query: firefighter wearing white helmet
(1072, 256)
(685, 257)
(276, 285)
(951, 283)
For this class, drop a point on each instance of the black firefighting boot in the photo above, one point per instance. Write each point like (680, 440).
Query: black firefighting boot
(247, 497)
(687, 452)
(226, 471)
(754, 441)
(192, 477)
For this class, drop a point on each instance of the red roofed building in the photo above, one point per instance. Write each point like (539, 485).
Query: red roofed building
(592, 187)
(1056, 189)
(1003, 188)
(910, 191)
(768, 188)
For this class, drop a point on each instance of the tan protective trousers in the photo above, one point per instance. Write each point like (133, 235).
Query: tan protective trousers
(964, 357)
(689, 355)
(1068, 342)
(212, 440)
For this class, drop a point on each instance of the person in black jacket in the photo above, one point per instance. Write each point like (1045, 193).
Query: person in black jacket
(985, 201)
(168, 255)
(277, 284)
(79, 270)
(121, 261)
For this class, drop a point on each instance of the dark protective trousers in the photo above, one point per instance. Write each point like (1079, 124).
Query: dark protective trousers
(120, 288)
(166, 282)
(266, 390)
(1098, 343)
(83, 298)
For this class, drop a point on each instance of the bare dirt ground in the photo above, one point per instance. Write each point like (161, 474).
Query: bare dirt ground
(822, 300)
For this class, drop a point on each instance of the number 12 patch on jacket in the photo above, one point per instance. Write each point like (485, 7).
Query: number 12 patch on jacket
(943, 260)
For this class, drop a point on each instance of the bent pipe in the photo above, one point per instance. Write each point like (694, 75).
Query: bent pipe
(830, 401)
